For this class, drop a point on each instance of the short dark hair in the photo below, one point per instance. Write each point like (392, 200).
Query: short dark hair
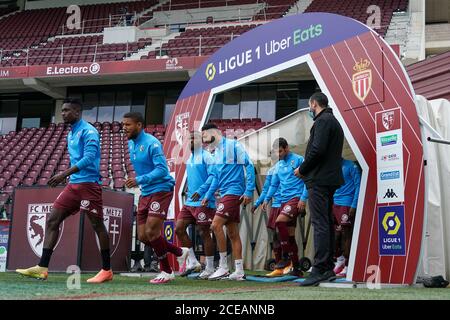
(209, 126)
(320, 98)
(75, 102)
(135, 116)
(280, 143)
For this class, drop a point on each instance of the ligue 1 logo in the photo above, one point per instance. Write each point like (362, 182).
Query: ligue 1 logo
(210, 72)
(362, 79)
(388, 119)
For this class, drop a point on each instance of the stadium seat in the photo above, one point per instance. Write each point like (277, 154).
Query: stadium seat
(4, 197)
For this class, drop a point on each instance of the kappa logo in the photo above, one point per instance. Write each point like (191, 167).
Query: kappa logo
(388, 119)
(85, 204)
(390, 194)
(202, 216)
(141, 148)
(155, 206)
(362, 79)
(220, 207)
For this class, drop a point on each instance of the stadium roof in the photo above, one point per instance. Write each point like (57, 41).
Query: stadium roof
(431, 77)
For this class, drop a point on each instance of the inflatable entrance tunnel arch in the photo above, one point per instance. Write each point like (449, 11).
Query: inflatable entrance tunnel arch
(372, 98)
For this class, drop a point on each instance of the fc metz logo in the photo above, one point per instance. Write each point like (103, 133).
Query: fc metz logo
(36, 221)
(362, 79)
(388, 119)
(181, 127)
(112, 219)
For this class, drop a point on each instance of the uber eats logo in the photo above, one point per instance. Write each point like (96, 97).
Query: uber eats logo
(210, 72)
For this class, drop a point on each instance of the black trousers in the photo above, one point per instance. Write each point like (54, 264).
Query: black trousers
(320, 199)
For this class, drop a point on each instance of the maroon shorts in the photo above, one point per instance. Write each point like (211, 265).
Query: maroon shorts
(341, 216)
(201, 215)
(154, 205)
(274, 212)
(85, 197)
(229, 207)
(290, 209)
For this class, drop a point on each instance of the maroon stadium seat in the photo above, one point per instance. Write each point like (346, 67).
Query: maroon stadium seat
(119, 183)
(42, 181)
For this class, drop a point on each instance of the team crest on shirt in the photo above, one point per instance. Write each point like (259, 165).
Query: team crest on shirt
(155, 206)
(36, 223)
(362, 79)
(202, 216)
(112, 219)
(220, 207)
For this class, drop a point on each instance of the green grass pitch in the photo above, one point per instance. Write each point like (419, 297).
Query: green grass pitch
(14, 286)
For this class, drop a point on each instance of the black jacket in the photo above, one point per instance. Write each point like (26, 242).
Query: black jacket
(323, 157)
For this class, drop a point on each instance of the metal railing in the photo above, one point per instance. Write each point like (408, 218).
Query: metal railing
(65, 54)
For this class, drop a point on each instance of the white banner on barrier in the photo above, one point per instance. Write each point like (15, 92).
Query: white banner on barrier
(389, 148)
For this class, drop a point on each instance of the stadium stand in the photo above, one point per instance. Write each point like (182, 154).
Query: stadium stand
(199, 41)
(358, 10)
(75, 50)
(274, 9)
(31, 156)
(32, 28)
(29, 29)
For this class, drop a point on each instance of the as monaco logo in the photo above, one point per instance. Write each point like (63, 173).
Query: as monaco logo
(387, 119)
(362, 79)
(36, 222)
(181, 127)
(112, 219)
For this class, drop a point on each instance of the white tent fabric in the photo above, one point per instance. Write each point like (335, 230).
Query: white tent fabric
(435, 258)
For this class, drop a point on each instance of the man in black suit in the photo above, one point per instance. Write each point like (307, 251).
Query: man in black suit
(321, 170)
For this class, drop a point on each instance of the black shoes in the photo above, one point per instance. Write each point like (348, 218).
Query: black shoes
(316, 278)
(296, 272)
